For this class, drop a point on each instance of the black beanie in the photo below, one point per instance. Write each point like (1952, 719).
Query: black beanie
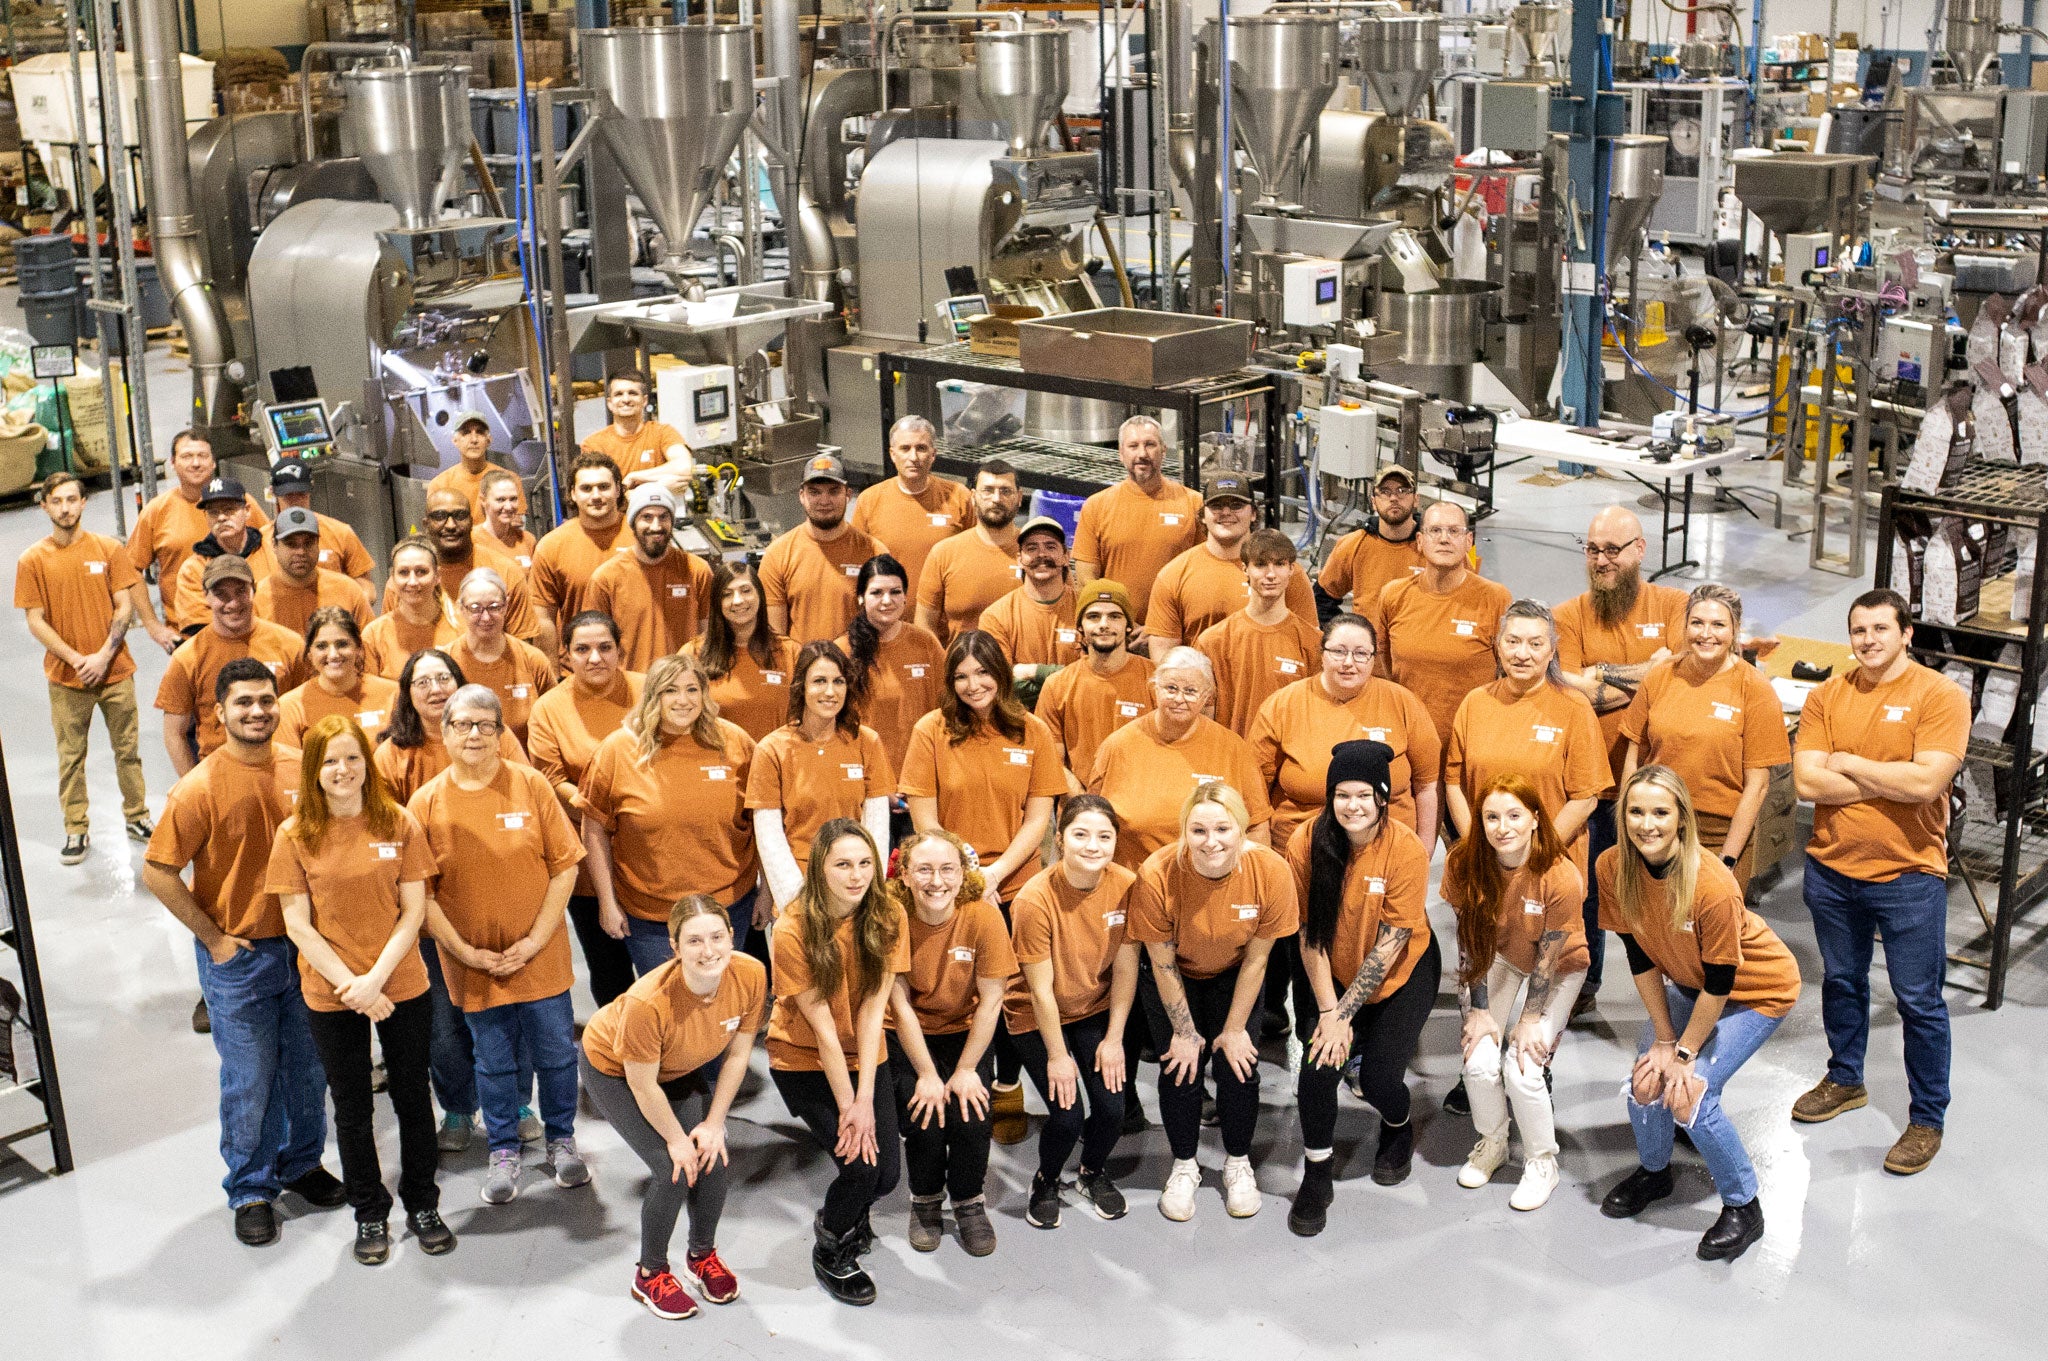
(1369, 762)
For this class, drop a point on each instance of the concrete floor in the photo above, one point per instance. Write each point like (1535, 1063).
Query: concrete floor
(133, 1254)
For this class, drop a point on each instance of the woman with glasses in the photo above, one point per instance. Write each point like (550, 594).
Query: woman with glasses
(334, 647)
(1436, 629)
(748, 662)
(411, 752)
(517, 672)
(418, 616)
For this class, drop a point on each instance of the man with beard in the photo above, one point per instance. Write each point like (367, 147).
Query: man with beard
(657, 593)
(914, 511)
(226, 507)
(568, 555)
(1087, 701)
(449, 522)
(341, 550)
(969, 572)
(192, 728)
(298, 584)
(807, 574)
(1607, 641)
(1387, 549)
(1034, 624)
(1131, 531)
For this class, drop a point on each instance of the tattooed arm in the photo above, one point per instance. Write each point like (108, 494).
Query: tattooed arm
(1529, 1037)
(1183, 1056)
(1331, 1043)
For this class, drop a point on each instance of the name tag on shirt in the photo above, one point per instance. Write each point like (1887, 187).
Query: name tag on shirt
(1016, 572)
(1896, 713)
(853, 569)
(773, 678)
(96, 569)
(1126, 708)
(729, 1024)
(1532, 907)
(717, 772)
(1112, 919)
(370, 718)
(917, 670)
(1018, 757)
(1544, 733)
(1374, 734)
(512, 822)
(854, 772)
(523, 560)
(1378, 886)
(962, 954)
(1288, 666)
(676, 592)
(1650, 630)
(1067, 637)
(520, 691)
(1246, 912)
(1169, 519)
(940, 521)
(386, 850)
(1464, 628)
(1726, 712)
(326, 555)
(1687, 928)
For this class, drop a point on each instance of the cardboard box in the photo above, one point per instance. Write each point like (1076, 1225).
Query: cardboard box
(995, 331)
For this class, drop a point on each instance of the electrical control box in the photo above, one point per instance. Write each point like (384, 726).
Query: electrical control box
(1311, 293)
(1490, 49)
(2023, 147)
(699, 400)
(1806, 252)
(1912, 351)
(1347, 442)
(1514, 115)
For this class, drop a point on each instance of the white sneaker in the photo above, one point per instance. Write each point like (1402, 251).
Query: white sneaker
(1486, 1157)
(1539, 1179)
(1177, 1199)
(501, 1180)
(1240, 1188)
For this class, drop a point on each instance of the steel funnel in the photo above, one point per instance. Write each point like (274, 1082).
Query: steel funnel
(675, 101)
(1022, 74)
(1635, 181)
(1398, 53)
(1800, 191)
(411, 127)
(1283, 70)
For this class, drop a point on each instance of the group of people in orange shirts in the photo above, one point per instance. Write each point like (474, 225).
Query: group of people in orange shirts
(944, 800)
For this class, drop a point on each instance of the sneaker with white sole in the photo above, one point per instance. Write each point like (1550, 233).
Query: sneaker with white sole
(1485, 1159)
(570, 1169)
(501, 1179)
(1177, 1197)
(1539, 1179)
(1240, 1188)
(531, 1130)
(455, 1132)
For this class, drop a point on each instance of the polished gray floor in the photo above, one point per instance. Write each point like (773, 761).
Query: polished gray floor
(132, 1255)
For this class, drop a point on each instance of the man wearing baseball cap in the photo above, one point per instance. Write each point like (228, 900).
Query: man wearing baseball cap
(807, 574)
(300, 585)
(1362, 563)
(1109, 686)
(470, 433)
(185, 695)
(658, 594)
(1206, 585)
(649, 453)
(341, 550)
(226, 506)
(1035, 623)
(165, 532)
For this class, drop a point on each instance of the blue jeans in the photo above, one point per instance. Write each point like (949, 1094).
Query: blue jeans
(1912, 913)
(451, 1055)
(546, 1029)
(1739, 1033)
(1599, 837)
(273, 1092)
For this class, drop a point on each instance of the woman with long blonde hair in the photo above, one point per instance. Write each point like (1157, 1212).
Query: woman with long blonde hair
(835, 955)
(664, 813)
(350, 869)
(1716, 982)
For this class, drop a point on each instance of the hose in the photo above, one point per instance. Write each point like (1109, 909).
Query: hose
(1116, 260)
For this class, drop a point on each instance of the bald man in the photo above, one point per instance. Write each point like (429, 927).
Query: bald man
(1607, 641)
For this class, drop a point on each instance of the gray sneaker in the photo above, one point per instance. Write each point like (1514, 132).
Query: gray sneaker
(531, 1130)
(455, 1132)
(501, 1181)
(570, 1169)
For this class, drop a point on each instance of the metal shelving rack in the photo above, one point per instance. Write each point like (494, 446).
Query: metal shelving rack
(2014, 855)
(17, 938)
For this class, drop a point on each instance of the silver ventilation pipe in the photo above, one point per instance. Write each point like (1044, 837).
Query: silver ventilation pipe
(779, 21)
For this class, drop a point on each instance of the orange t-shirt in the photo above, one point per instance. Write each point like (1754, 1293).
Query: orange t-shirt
(189, 586)
(470, 486)
(1148, 780)
(678, 824)
(1386, 883)
(1656, 621)
(982, 784)
(905, 683)
(657, 608)
(290, 606)
(520, 552)
(390, 639)
(1439, 647)
(1362, 564)
(1534, 904)
(948, 962)
(521, 675)
(909, 527)
(814, 782)
(520, 621)
(660, 1021)
(564, 729)
(792, 1044)
(1253, 660)
(645, 448)
(1198, 590)
(1129, 535)
(351, 885)
(1550, 736)
(1079, 933)
(1082, 707)
(369, 704)
(1299, 725)
(1033, 632)
(75, 587)
(963, 577)
(163, 536)
(187, 686)
(1718, 930)
(813, 581)
(565, 559)
(1713, 733)
(408, 769)
(341, 548)
(497, 848)
(1877, 840)
(1211, 921)
(751, 695)
(220, 820)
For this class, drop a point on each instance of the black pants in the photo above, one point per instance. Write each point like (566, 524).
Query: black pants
(343, 1039)
(1384, 1035)
(611, 971)
(689, 1098)
(859, 1184)
(950, 1158)
(1098, 1130)
(1180, 1103)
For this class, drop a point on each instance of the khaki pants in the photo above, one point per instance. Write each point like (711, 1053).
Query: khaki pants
(71, 718)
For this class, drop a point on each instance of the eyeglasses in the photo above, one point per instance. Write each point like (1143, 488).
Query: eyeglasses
(1341, 655)
(483, 607)
(935, 872)
(463, 727)
(1191, 694)
(1446, 532)
(435, 682)
(1597, 551)
(442, 517)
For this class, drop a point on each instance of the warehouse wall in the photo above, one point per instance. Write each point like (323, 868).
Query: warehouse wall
(252, 23)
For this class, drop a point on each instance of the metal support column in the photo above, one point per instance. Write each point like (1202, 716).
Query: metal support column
(1591, 113)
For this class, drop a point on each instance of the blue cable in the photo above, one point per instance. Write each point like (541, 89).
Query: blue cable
(526, 214)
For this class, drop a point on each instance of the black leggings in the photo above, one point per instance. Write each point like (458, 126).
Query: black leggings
(1180, 1103)
(859, 1184)
(944, 1159)
(689, 1099)
(1384, 1035)
(611, 970)
(1065, 1126)
(405, 1036)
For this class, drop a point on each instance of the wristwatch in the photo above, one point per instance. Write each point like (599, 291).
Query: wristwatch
(1685, 1055)
(1729, 861)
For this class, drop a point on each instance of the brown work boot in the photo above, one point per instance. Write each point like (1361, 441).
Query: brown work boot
(1009, 1124)
(1827, 1100)
(1914, 1150)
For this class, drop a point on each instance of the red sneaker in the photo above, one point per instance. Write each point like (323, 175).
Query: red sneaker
(720, 1285)
(663, 1295)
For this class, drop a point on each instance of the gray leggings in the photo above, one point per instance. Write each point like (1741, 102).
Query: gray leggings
(665, 1198)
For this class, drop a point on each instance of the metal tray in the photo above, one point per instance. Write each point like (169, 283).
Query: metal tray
(1131, 346)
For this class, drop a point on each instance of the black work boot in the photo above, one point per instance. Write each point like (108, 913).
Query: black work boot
(837, 1266)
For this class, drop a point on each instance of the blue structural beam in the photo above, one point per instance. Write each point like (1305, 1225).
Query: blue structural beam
(1591, 113)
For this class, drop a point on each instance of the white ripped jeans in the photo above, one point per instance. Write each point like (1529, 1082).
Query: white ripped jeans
(1494, 1081)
